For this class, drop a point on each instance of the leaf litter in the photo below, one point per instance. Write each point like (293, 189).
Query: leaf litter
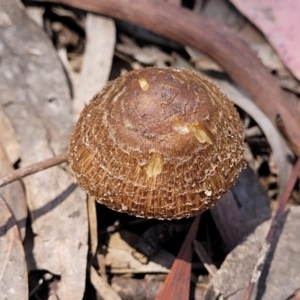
(13, 272)
(13, 194)
(36, 99)
(58, 210)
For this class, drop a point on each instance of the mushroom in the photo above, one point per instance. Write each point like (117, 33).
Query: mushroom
(158, 143)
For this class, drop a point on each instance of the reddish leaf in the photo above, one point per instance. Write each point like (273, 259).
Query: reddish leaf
(278, 20)
(177, 284)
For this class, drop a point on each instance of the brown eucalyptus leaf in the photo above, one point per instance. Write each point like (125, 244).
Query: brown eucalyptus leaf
(280, 276)
(13, 271)
(36, 99)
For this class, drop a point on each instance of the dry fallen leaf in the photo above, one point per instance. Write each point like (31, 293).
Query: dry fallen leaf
(13, 271)
(97, 60)
(280, 277)
(146, 289)
(122, 257)
(36, 99)
(149, 55)
(8, 138)
(278, 20)
(103, 288)
(13, 194)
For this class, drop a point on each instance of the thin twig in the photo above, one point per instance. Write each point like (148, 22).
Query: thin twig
(34, 168)
(267, 243)
(103, 289)
(93, 225)
(102, 266)
(205, 259)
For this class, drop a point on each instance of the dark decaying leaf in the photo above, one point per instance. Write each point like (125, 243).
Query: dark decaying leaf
(241, 209)
(251, 199)
(157, 235)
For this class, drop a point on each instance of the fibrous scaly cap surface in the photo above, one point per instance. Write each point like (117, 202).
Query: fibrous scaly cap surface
(161, 143)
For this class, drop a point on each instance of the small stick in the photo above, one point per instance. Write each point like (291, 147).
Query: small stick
(93, 225)
(267, 243)
(102, 266)
(34, 168)
(205, 259)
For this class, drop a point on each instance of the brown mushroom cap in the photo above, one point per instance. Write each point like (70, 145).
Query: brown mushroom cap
(158, 143)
